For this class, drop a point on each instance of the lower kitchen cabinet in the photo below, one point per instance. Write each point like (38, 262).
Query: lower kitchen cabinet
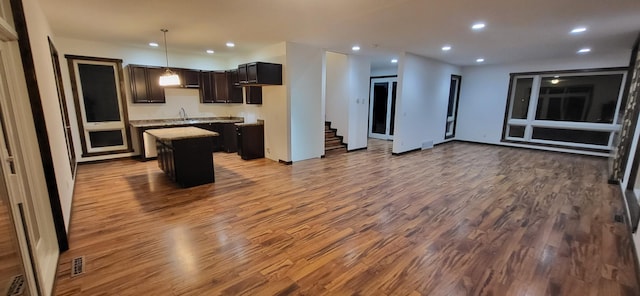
(230, 140)
(188, 162)
(250, 140)
(226, 139)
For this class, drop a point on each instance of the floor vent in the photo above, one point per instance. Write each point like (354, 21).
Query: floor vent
(77, 266)
(618, 218)
(17, 286)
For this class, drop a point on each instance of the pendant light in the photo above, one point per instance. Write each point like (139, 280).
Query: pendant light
(169, 78)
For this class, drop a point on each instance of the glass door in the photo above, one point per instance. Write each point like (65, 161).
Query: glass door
(382, 107)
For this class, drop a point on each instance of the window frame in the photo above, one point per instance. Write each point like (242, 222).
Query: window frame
(530, 122)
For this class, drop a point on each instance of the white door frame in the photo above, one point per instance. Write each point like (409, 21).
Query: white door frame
(387, 135)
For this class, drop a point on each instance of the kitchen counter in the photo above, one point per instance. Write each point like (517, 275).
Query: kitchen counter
(179, 133)
(178, 121)
(146, 142)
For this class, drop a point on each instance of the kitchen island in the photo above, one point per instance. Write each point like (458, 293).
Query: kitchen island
(185, 154)
(222, 125)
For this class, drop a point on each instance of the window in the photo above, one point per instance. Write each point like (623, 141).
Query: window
(452, 108)
(565, 109)
(101, 105)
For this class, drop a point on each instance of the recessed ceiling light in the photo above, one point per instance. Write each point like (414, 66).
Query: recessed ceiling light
(480, 60)
(478, 26)
(578, 30)
(555, 81)
(394, 61)
(230, 44)
(355, 48)
(557, 76)
(446, 48)
(210, 51)
(153, 44)
(584, 50)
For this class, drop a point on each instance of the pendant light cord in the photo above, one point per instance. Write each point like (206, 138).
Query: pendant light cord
(166, 53)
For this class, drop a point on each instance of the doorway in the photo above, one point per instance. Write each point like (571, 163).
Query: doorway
(382, 107)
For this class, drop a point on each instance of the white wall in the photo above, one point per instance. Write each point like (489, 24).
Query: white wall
(391, 70)
(483, 95)
(421, 102)
(305, 84)
(359, 70)
(347, 97)
(338, 93)
(275, 105)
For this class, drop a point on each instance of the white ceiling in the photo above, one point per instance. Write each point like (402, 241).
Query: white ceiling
(516, 29)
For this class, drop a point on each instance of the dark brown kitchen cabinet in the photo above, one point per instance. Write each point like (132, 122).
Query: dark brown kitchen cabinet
(250, 140)
(207, 87)
(260, 73)
(226, 139)
(233, 87)
(253, 94)
(189, 78)
(221, 87)
(229, 141)
(217, 87)
(187, 162)
(145, 84)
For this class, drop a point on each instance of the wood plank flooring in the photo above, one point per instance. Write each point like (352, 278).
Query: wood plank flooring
(459, 219)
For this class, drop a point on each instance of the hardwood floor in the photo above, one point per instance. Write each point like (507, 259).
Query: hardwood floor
(460, 219)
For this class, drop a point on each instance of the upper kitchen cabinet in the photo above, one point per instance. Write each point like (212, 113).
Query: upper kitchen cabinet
(253, 94)
(218, 87)
(189, 78)
(145, 87)
(234, 90)
(260, 73)
(207, 87)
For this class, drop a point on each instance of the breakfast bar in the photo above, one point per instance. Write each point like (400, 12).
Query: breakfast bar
(185, 154)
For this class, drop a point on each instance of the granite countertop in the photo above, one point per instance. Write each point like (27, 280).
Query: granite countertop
(178, 121)
(248, 124)
(179, 133)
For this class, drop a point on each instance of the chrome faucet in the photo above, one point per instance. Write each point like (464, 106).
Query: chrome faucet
(183, 113)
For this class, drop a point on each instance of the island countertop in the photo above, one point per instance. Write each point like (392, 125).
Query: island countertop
(177, 121)
(179, 133)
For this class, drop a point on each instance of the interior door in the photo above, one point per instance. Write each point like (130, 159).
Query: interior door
(382, 107)
(16, 273)
(98, 97)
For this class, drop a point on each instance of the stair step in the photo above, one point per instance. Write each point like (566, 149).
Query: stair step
(334, 148)
(332, 142)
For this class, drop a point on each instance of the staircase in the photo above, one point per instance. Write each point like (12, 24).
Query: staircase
(332, 142)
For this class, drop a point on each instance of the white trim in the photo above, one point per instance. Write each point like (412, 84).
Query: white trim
(7, 32)
(387, 135)
(545, 148)
(571, 144)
